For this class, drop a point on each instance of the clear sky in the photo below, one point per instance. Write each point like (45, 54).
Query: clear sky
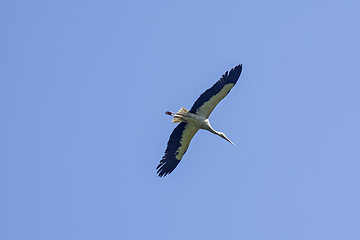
(83, 90)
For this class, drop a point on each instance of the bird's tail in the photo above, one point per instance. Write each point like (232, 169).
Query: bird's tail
(178, 117)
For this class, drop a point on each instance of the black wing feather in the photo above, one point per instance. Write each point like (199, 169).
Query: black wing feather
(232, 77)
(169, 162)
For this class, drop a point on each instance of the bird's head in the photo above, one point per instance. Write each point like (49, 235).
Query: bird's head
(224, 137)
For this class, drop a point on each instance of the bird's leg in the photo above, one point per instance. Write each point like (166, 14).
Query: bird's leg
(169, 113)
(178, 117)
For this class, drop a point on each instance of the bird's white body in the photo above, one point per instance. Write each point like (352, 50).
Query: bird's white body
(198, 121)
(194, 119)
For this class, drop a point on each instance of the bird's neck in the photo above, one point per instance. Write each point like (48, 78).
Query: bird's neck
(209, 128)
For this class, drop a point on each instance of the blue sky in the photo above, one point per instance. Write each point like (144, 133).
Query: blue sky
(83, 90)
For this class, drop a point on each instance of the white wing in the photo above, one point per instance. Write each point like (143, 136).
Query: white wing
(207, 101)
(177, 145)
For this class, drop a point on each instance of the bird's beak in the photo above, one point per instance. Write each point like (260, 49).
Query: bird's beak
(228, 140)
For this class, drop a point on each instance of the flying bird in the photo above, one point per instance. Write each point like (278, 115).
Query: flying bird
(197, 118)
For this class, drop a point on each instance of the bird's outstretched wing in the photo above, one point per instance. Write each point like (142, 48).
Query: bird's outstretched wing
(207, 101)
(177, 145)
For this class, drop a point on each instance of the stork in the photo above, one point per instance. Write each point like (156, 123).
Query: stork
(197, 118)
